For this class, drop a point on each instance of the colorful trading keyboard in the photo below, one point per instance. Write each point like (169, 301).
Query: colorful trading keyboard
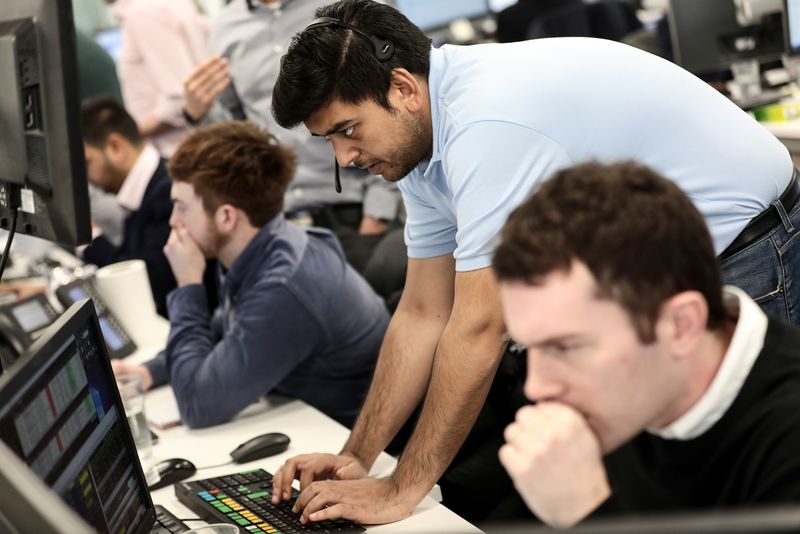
(243, 499)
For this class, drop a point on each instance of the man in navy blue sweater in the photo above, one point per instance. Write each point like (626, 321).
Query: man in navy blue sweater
(294, 317)
(121, 162)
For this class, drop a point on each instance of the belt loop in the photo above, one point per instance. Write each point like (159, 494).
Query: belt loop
(787, 224)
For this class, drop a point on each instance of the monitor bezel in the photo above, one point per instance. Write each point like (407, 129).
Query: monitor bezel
(31, 363)
(60, 113)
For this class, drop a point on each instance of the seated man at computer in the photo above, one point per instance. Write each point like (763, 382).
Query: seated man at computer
(657, 389)
(294, 317)
(120, 161)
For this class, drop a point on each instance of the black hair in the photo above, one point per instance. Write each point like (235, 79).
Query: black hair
(102, 116)
(334, 63)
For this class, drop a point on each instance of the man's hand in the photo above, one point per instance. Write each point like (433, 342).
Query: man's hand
(185, 258)
(372, 226)
(369, 501)
(204, 85)
(310, 467)
(556, 463)
(123, 368)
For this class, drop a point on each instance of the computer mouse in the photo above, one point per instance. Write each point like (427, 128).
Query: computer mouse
(172, 471)
(260, 447)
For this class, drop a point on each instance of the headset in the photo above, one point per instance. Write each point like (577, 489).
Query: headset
(384, 51)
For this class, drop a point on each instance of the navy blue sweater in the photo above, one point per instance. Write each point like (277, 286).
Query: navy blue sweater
(294, 318)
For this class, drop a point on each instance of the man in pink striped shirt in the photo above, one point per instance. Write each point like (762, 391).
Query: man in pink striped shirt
(162, 42)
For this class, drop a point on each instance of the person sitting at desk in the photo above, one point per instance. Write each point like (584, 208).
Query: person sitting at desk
(294, 318)
(657, 389)
(120, 161)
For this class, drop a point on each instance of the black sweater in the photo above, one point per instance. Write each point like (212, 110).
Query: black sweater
(750, 456)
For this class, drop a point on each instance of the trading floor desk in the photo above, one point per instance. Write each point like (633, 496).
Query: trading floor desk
(309, 430)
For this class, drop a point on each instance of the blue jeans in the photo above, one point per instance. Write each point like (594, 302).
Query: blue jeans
(769, 269)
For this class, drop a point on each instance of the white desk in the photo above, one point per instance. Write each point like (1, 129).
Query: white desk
(788, 133)
(309, 430)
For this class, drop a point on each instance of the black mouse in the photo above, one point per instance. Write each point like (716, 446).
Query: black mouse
(260, 447)
(172, 471)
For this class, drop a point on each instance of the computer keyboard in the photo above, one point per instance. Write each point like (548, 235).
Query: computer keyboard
(243, 499)
(166, 523)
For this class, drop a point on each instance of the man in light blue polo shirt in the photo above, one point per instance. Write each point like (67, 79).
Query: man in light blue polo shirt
(471, 131)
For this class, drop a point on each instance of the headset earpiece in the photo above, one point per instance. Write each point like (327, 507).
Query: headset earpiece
(384, 49)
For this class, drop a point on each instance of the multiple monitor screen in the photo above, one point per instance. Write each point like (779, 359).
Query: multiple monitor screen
(60, 412)
(42, 170)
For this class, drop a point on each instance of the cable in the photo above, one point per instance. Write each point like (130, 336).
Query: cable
(229, 462)
(11, 232)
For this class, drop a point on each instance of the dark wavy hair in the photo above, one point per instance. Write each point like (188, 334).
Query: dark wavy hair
(335, 63)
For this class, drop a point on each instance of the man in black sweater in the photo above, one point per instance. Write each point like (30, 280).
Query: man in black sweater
(656, 388)
(121, 162)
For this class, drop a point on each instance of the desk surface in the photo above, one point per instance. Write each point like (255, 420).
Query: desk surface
(309, 430)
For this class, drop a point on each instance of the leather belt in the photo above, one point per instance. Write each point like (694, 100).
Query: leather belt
(765, 221)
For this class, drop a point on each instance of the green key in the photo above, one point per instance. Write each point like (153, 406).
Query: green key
(242, 521)
(258, 494)
(224, 509)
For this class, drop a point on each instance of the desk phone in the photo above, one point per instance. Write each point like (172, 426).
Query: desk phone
(118, 341)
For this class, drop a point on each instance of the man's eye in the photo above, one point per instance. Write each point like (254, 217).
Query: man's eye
(348, 132)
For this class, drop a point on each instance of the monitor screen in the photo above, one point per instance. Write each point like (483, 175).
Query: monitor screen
(500, 5)
(42, 168)
(792, 26)
(31, 315)
(110, 40)
(707, 38)
(60, 412)
(433, 14)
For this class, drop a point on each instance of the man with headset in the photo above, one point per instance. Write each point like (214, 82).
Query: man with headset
(468, 132)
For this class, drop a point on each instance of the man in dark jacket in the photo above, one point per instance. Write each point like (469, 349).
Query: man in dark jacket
(120, 161)
(294, 317)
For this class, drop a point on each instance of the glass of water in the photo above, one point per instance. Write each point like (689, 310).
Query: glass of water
(132, 393)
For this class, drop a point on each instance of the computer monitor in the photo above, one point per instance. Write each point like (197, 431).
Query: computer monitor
(431, 15)
(42, 168)
(61, 413)
(500, 5)
(27, 505)
(110, 40)
(791, 26)
(707, 38)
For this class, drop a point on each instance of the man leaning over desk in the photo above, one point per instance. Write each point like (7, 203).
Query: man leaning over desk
(468, 132)
(294, 317)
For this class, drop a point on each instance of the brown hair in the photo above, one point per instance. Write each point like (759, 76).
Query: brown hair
(235, 163)
(637, 232)
(102, 116)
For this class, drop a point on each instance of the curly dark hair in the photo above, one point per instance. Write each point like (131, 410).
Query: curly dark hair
(640, 236)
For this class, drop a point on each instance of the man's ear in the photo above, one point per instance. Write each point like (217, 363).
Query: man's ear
(227, 218)
(116, 147)
(682, 321)
(406, 90)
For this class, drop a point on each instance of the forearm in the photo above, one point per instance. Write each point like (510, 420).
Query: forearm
(400, 380)
(464, 367)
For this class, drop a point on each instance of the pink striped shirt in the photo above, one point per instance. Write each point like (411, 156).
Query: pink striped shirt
(162, 42)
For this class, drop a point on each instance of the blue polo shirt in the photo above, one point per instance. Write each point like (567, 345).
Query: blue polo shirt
(505, 117)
